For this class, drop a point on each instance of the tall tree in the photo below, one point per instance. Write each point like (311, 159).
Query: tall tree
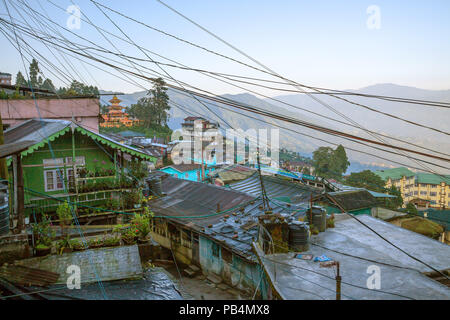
(20, 80)
(396, 202)
(329, 163)
(48, 85)
(365, 179)
(340, 156)
(153, 108)
(34, 71)
(160, 102)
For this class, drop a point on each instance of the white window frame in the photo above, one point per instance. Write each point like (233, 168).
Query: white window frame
(54, 178)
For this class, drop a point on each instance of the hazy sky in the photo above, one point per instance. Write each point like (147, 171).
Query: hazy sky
(323, 43)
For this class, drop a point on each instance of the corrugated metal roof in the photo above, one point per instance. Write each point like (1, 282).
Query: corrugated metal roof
(34, 129)
(21, 275)
(42, 129)
(187, 199)
(275, 188)
(394, 173)
(16, 147)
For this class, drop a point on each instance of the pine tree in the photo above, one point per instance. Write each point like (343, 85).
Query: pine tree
(20, 80)
(34, 71)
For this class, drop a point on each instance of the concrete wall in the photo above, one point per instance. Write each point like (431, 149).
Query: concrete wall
(105, 263)
(85, 111)
(215, 259)
(236, 272)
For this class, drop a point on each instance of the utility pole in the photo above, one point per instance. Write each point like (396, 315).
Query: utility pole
(263, 190)
(3, 167)
(329, 264)
(338, 282)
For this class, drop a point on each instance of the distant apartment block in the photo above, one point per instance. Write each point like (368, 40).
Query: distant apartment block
(425, 189)
(5, 78)
(84, 111)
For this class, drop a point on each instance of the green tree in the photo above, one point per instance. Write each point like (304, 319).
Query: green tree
(79, 89)
(411, 208)
(340, 156)
(153, 108)
(365, 179)
(329, 163)
(48, 85)
(160, 102)
(20, 80)
(34, 71)
(323, 161)
(394, 203)
(143, 110)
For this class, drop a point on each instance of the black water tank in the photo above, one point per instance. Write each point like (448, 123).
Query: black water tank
(4, 208)
(299, 236)
(319, 219)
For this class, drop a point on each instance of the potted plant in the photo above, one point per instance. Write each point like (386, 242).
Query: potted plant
(64, 212)
(112, 242)
(44, 234)
(76, 245)
(142, 224)
(64, 245)
(129, 235)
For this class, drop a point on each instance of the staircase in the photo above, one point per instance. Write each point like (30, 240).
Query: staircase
(191, 271)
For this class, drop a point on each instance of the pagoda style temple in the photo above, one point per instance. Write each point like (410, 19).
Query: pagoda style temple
(116, 117)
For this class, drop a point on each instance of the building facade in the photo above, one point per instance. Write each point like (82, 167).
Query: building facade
(84, 111)
(415, 186)
(50, 173)
(5, 78)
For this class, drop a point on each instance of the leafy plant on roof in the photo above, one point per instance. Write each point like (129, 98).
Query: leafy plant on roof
(44, 232)
(64, 212)
(142, 224)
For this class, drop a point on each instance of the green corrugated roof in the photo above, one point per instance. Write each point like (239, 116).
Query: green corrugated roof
(395, 173)
(430, 178)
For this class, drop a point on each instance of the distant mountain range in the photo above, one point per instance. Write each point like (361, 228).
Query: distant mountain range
(431, 116)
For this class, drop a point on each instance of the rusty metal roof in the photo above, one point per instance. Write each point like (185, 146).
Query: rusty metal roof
(12, 148)
(186, 200)
(25, 276)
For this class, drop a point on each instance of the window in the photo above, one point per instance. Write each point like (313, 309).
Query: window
(215, 249)
(70, 178)
(423, 193)
(57, 162)
(79, 161)
(433, 194)
(54, 180)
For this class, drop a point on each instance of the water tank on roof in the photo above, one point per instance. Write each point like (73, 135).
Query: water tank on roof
(298, 236)
(4, 207)
(319, 218)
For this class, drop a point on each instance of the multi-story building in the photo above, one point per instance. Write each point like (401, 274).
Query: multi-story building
(5, 78)
(434, 189)
(116, 117)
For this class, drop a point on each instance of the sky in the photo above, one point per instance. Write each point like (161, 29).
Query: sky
(332, 44)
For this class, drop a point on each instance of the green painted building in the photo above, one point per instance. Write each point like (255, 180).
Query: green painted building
(67, 160)
(352, 201)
